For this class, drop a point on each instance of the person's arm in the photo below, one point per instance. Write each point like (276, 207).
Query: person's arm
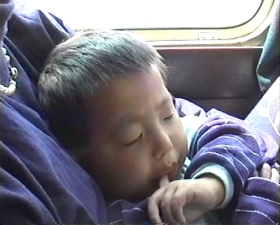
(191, 125)
(229, 144)
(22, 197)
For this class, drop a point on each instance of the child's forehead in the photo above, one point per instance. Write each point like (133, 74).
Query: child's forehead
(132, 95)
(136, 78)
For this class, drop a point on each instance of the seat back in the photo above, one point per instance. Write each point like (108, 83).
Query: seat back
(218, 77)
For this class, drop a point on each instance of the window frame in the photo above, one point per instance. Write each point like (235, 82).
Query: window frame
(249, 33)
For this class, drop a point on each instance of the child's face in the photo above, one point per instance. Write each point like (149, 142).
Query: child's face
(137, 138)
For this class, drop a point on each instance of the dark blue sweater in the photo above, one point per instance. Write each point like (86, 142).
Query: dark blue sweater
(40, 183)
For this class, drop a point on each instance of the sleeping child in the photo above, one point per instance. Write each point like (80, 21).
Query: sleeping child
(107, 102)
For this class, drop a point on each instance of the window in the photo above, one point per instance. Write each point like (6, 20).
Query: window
(153, 13)
(166, 20)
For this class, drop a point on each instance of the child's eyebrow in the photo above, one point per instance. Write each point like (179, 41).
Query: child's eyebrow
(163, 102)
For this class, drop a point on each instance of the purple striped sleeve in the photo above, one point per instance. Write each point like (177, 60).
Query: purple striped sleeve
(228, 143)
(258, 203)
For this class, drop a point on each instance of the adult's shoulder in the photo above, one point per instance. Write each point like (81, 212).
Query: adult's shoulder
(35, 32)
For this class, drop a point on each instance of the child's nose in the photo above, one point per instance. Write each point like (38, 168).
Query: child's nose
(162, 145)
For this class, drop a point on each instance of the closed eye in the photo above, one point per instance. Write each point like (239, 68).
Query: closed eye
(134, 141)
(169, 117)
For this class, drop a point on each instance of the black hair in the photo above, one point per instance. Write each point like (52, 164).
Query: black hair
(78, 68)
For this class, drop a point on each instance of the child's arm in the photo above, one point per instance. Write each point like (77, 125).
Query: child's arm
(229, 144)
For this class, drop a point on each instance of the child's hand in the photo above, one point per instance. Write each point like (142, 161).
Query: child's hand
(184, 201)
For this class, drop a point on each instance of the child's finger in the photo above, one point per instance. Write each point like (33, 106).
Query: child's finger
(178, 208)
(275, 175)
(163, 181)
(265, 171)
(154, 201)
(153, 206)
(166, 204)
(153, 211)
